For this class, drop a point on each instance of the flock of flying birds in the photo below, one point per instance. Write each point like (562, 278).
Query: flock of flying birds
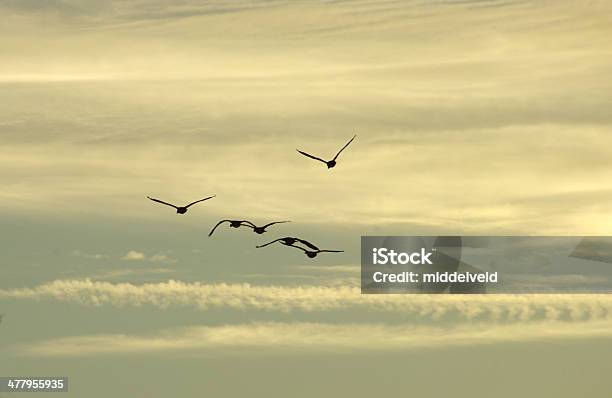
(307, 247)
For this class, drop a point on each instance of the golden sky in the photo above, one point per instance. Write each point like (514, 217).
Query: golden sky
(485, 117)
(481, 117)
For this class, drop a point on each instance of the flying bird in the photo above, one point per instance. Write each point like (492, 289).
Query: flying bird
(290, 241)
(313, 253)
(262, 229)
(329, 163)
(233, 224)
(180, 209)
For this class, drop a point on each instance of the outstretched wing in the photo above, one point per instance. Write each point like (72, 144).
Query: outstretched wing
(331, 251)
(269, 243)
(305, 242)
(312, 157)
(275, 222)
(201, 200)
(247, 223)
(162, 202)
(344, 147)
(215, 227)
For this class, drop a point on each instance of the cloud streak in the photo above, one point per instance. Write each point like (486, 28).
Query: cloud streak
(134, 255)
(322, 337)
(502, 308)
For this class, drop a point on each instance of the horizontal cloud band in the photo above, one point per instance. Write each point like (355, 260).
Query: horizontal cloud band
(314, 337)
(319, 298)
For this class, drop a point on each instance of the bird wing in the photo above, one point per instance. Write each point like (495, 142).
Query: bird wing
(312, 157)
(297, 247)
(331, 251)
(269, 243)
(344, 147)
(275, 222)
(215, 227)
(247, 223)
(162, 202)
(305, 242)
(201, 200)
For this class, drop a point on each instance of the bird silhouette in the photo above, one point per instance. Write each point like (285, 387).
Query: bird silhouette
(329, 163)
(233, 224)
(262, 229)
(290, 241)
(313, 253)
(180, 209)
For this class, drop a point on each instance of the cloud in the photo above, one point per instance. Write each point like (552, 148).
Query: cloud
(314, 337)
(134, 255)
(11, 123)
(498, 307)
(96, 256)
(348, 269)
(162, 258)
(115, 11)
(124, 272)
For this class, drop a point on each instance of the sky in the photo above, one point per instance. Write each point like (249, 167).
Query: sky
(473, 117)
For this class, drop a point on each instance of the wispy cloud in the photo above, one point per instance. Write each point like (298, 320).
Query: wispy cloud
(319, 298)
(162, 258)
(95, 256)
(134, 255)
(8, 123)
(125, 272)
(348, 269)
(313, 337)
